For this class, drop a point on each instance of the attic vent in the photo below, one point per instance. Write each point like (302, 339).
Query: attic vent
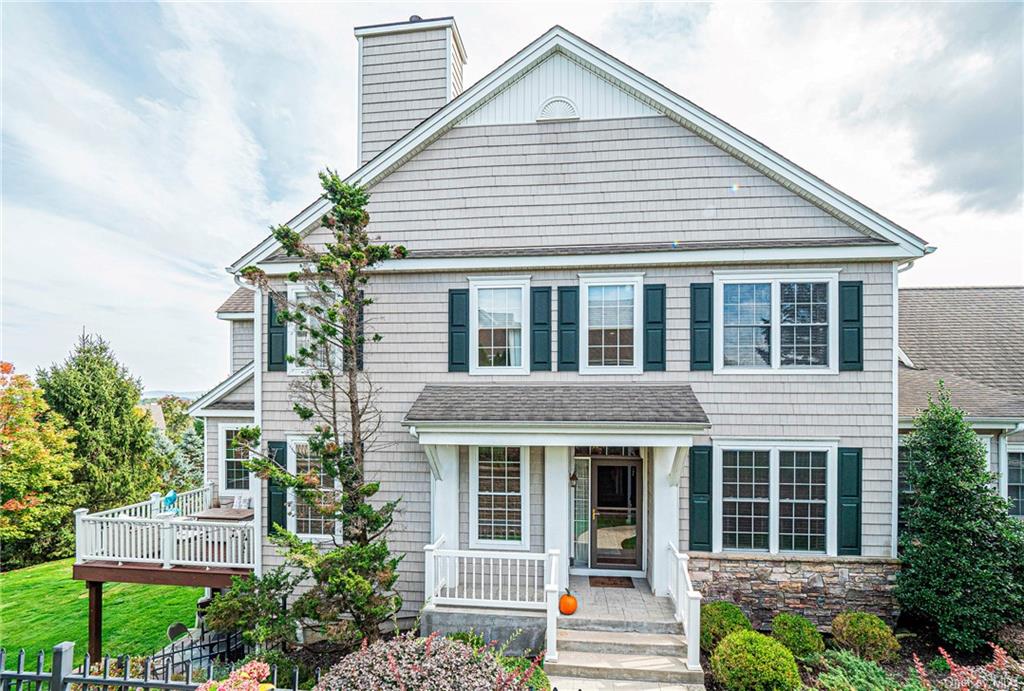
(558, 108)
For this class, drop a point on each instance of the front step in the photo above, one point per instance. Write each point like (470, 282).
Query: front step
(612, 666)
(622, 643)
(577, 624)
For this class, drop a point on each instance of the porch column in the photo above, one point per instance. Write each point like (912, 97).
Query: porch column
(444, 493)
(665, 470)
(557, 526)
(95, 619)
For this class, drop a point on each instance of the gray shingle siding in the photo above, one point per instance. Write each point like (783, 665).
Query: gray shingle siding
(241, 343)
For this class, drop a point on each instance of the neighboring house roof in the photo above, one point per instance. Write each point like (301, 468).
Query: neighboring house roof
(663, 100)
(156, 413)
(239, 301)
(620, 403)
(970, 338)
(211, 399)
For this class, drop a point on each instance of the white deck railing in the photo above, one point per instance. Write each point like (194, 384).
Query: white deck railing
(483, 578)
(140, 533)
(687, 601)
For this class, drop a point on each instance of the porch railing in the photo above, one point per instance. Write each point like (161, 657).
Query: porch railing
(187, 503)
(481, 578)
(687, 602)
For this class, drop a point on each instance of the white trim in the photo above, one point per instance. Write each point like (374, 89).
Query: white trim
(775, 278)
(409, 27)
(1007, 424)
(359, 100)
(646, 89)
(475, 542)
(608, 572)
(902, 356)
(774, 446)
(255, 481)
(475, 284)
(1004, 467)
(578, 436)
(447, 65)
(222, 462)
(588, 281)
(292, 466)
(231, 347)
(235, 316)
(222, 389)
(674, 257)
(297, 292)
(894, 471)
(248, 414)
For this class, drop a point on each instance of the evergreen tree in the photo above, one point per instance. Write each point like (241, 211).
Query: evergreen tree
(36, 490)
(962, 553)
(187, 464)
(98, 397)
(176, 417)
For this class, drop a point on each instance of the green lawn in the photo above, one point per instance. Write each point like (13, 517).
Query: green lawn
(41, 606)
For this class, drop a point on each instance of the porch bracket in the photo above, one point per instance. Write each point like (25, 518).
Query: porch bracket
(678, 463)
(432, 460)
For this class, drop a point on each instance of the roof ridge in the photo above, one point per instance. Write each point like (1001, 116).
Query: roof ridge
(1000, 287)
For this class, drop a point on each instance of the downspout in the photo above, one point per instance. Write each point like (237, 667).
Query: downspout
(1004, 459)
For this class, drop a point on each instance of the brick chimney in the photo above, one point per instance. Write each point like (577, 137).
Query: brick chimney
(407, 70)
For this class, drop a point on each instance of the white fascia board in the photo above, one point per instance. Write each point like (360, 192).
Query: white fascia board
(241, 414)
(674, 106)
(547, 434)
(224, 388)
(236, 316)
(1001, 423)
(680, 257)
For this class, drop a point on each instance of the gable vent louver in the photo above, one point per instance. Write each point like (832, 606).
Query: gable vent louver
(558, 108)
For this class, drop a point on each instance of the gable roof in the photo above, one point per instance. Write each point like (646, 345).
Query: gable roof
(210, 399)
(970, 337)
(642, 87)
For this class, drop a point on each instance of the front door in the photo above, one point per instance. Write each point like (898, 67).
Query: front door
(616, 530)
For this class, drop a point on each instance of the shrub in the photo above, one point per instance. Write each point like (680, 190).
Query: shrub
(534, 675)
(798, 634)
(751, 661)
(421, 663)
(866, 635)
(962, 553)
(1002, 674)
(1011, 639)
(718, 620)
(470, 638)
(845, 671)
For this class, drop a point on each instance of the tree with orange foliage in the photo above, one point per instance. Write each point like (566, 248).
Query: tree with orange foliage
(36, 464)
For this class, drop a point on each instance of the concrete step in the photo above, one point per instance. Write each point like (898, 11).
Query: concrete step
(622, 642)
(581, 624)
(611, 666)
(577, 684)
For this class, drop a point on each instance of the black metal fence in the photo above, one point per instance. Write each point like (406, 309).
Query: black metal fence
(121, 673)
(201, 650)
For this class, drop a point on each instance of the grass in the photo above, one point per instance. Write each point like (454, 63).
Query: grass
(41, 606)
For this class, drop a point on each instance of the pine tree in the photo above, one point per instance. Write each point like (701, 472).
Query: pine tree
(962, 553)
(98, 397)
(187, 464)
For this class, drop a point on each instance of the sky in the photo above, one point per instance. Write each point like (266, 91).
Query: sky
(147, 146)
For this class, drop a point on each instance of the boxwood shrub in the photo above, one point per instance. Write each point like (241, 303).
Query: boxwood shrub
(751, 661)
(718, 620)
(866, 635)
(798, 634)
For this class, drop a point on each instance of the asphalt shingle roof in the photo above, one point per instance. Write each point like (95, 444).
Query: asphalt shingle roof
(973, 340)
(663, 404)
(239, 301)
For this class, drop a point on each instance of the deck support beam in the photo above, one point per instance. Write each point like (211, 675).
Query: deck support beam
(95, 619)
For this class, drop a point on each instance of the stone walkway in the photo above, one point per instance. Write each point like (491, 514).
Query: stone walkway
(573, 684)
(620, 604)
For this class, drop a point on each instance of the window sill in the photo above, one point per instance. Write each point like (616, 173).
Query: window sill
(784, 371)
(498, 546)
(498, 372)
(610, 370)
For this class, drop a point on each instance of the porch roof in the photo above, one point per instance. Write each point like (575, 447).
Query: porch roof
(628, 404)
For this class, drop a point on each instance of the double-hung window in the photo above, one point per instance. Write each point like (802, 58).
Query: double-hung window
(234, 478)
(499, 497)
(304, 519)
(499, 310)
(1015, 481)
(300, 338)
(611, 333)
(781, 321)
(775, 497)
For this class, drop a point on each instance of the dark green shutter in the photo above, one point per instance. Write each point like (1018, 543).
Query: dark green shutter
(277, 339)
(458, 330)
(654, 328)
(359, 331)
(851, 325)
(850, 476)
(277, 496)
(568, 329)
(700, 499)
(702, 321)
(540, 329)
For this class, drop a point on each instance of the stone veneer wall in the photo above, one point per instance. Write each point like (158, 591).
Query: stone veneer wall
(816, 587)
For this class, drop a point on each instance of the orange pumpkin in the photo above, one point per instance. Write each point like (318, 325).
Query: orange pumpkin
(567, 603)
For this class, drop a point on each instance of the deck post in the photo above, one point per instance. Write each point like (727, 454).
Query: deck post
(208, 499)
(62, 665)
(154, 504)
(80, 545)
(167, 543)
(95, 619)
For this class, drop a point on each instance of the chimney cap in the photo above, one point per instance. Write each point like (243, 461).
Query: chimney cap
(415, 23)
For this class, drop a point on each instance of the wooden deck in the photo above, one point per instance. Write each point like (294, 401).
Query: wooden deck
(155, 574)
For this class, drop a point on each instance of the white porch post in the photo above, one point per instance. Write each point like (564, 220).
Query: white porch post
(557, 527)
(444, 493)
(664, 475)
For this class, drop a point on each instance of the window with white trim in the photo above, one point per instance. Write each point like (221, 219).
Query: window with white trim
(776, 497)
(1015, 482)
(499, 311)
(780, 321)
(499, 478)
(300, 338)
(611, 330)
(304, 519)
(234, 478)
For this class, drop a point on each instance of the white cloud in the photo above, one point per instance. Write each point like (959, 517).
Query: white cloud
(123, 199)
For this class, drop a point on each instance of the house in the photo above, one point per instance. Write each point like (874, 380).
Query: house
(629, 342)
(972, 339)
